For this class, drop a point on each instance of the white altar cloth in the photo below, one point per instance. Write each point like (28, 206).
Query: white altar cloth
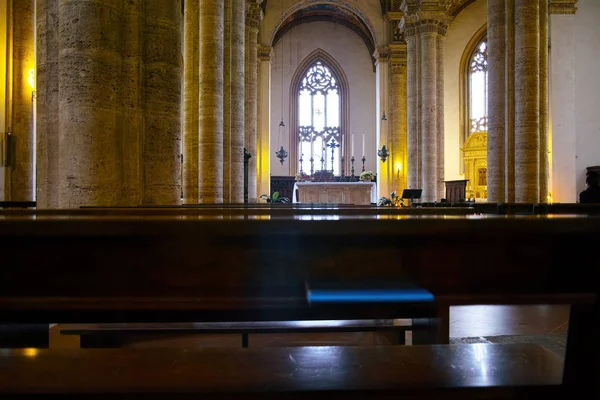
(359, 193)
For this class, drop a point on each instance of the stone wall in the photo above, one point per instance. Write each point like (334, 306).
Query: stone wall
(350, 52)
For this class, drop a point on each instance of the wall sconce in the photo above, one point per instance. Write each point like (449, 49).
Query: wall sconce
(398, 169)
(31, 78)
(384, 117)
(383, 153)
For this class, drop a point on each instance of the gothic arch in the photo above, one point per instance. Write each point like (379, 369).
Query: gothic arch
(337, 70)
(335, 11)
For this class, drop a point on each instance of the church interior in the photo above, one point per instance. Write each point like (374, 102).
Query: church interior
(299, 198)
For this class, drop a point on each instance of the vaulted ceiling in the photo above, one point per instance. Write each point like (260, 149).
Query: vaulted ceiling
(328, 13)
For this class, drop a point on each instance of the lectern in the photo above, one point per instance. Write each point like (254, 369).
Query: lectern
(456, 191)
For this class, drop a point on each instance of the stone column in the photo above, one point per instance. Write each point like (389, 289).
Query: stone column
(412, 107)
(210, 105)
(162, 98)
(428, 33)
(21, 185)
(496, 101)
(382, 78)
(227, 106)
(510, 102)
(398, 117)
(252, 25)
(190, 101)
(131, 95)
(238, 43)
(527, 101)
(47, 104)
(89, 164)
(264, 126)
(544, 167)
(441, 186)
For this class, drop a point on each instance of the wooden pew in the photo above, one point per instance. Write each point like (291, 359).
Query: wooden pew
(298, 373)
(168, 268)
(117, 335)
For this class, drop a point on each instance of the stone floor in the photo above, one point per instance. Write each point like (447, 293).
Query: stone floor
(469, 321)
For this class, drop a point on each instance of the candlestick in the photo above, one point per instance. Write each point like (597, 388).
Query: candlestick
(343, 174)
(363, 144)
(363, 161)
(352, 164)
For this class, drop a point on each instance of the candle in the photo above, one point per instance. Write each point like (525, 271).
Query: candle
(342, 145)
(363, 153)
(352, 145)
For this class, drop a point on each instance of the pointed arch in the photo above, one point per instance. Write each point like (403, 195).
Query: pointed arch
(344, 88)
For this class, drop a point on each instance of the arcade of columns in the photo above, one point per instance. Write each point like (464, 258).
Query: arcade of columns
(109, 101)
(109, 133)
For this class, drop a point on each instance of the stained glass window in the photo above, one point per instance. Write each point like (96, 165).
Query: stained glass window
(319, 121)
(478, 89)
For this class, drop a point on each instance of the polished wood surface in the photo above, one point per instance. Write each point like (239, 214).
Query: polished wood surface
(277, 370)
(239, 270)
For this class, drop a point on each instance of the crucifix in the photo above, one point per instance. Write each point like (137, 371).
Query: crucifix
(332, 145)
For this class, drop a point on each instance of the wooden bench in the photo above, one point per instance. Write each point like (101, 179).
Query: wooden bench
(119, 335)
(468, 371)
(17, 204)
(101, 269)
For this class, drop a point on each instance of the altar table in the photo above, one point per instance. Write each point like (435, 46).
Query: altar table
(359, 193)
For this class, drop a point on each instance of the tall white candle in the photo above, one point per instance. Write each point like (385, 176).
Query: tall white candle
(342, 144)
(363, 153)
(352, 146)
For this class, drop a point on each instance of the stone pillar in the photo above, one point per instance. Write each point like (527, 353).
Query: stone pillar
(264, 126)
(428, 32)
(382, 78)
(89, 164)
(131, 95)
(510, 102)
(162, 98)
(20, 101)
(496, 32)
(412, 107)
(398, 117)
(227, 107)
(190, 101)
(441, 192)
(47, 104)
(252, 24)
(544, 166)
(210, 105)
(527, 101)
(238, 43)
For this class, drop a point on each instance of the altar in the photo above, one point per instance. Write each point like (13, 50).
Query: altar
(359, 193)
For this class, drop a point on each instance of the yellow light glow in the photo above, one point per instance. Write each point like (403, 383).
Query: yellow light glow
(31, 78)
(30, 352)
(549, 198)
(398, 166)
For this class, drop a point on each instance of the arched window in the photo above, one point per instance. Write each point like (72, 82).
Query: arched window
(478, 88)
(319, 90)
(474, 115)
(473, 94)
(319, 120)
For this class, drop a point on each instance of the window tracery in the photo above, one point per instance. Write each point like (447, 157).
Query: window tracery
(319, 109)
